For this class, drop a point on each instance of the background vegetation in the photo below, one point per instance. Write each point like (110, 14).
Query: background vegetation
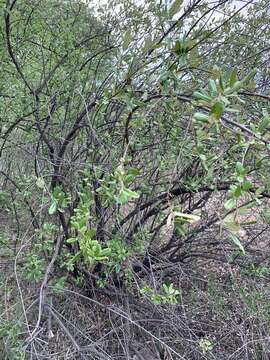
(134, 174)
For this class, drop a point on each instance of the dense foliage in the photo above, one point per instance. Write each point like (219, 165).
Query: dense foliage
(134, 141)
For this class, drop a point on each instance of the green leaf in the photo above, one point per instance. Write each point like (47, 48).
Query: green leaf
(148, 43)
(72, 240)
(199, 96)
(230, 204)
(117, 268)
(134, 171)
(247, 185)
(129, 178)
(240, 168)
(249, 77)
(52, 208)
(237, 86)
(106, 251)
(233, 77)
(90, 233)
(40, 183)
(125, 195)
(131, 194)
(177, 47)
(127, 39)
(259, 190)
(221, 83)
(230, 224)
(122, 198)
(201, 117)
(189, 217)
(238, 243)
(217, 110)
(264, 123)
(212, 87)
(166, 288)
(175, 7)
(236, 191)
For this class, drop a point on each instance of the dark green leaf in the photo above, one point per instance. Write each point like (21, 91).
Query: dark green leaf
(233, 77)
(217, 110)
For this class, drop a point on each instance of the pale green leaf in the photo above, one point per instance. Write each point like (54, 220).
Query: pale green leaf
(175, 7)
(127, 38)
(238, 243)
(230, 204)
(189, 217)
(201, 117)
(40, 183)
(52, 208)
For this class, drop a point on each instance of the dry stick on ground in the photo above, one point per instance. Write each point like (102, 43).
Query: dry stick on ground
(124, 316)
(77, 347)
(43, 286)
(18, 283)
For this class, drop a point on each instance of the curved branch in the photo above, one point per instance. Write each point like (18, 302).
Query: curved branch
(9, 7)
